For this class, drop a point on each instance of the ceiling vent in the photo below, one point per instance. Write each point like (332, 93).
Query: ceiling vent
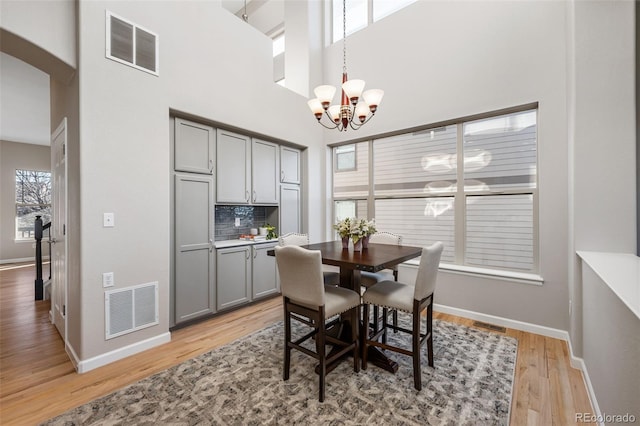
(132, 45)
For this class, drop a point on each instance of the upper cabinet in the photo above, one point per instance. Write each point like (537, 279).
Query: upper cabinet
(194, 147)
(247, 170)
(289, 165)
(233, 159)
(265, 166)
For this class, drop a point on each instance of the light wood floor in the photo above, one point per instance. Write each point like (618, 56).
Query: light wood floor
(37, 381)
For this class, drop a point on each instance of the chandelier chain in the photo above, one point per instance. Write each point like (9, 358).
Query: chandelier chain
(344, 36)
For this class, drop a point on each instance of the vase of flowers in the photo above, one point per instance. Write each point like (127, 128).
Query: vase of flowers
(344, 230)
(367, 227)
(356, 234)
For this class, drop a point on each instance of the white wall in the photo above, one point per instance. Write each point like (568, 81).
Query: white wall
(603, 138)
(212, 65)
(439, 60)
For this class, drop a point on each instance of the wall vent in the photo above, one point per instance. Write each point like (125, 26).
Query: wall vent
(130, 44)
(130, 309)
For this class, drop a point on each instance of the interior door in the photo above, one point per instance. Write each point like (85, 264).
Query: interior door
(58, 229)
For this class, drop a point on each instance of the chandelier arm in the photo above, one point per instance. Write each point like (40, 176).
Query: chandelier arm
(356, 126)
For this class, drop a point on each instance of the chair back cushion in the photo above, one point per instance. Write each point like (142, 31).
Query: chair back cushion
(428, 271)
(300, 272)
(385, 238)
(293, 239)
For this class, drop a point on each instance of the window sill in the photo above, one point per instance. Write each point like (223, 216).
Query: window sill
(519, 277)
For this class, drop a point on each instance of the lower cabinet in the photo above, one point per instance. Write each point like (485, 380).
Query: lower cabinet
(245, 273)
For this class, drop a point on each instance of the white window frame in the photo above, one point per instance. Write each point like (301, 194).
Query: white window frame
(371, 4)
(18, 204)
(108, 55)
(528, 277)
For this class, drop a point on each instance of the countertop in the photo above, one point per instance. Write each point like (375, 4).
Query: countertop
(621, 272)
(235, 243)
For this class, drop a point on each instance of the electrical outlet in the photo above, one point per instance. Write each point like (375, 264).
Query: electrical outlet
(107, 279)
(237, 222)
(108, 220)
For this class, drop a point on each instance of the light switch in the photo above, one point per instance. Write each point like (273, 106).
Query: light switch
(107, 279)
(108, 220)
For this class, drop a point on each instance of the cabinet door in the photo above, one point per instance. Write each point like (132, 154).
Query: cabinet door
(194, 147)
(290, 205)
(265, 277)
(194, 264)
(233, 159)
(264, 157)
(234, 275)
(289, 165)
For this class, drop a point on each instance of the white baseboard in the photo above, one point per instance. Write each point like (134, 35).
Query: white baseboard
(118, 354)
(21, 259)
(555, 333)
(505, 322)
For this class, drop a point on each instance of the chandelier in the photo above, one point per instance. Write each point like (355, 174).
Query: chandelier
(354, 103)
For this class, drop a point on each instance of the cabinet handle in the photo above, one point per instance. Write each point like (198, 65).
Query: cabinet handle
(281, 175)
(248, 255)
(210, 245)
(246, 195)
(254, 196)
(210, 165)
(255, 253)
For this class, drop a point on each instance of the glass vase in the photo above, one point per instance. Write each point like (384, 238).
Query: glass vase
(345, 243)
(365, 242)
(357, 245)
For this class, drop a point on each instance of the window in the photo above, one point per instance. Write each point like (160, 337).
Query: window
(471, 184)
(278, 45)
(345, 158)
(131, 44)
(278, 58)
(33, 198)
(359, 16)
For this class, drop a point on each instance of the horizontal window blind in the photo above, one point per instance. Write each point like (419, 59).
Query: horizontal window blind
(416, 163)
(353, 183)
(420, 221)
(499, 231)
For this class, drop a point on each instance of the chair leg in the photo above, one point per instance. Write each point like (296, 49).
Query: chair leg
(365, 336)
(395, 320)
(430, 333)
(376, 316)
(355, 322)
(287, 339)
(417, 375)
(385, 313)
(320, 349)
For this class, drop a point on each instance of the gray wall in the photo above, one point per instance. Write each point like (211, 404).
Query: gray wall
(14, 156)
(443, 60)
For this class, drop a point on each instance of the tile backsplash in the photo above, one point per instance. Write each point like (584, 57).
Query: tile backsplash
(250, 217)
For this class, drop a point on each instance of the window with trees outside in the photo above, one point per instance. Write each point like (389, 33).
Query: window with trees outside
(470, 184)
(33, 198)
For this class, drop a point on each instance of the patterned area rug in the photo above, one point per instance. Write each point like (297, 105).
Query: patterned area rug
(241, 384)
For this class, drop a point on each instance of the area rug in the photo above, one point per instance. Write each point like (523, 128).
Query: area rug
(241, 384)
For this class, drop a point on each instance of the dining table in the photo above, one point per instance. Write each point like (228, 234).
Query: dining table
(374, 258)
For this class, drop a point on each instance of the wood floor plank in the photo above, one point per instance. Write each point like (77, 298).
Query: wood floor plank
(34, 388)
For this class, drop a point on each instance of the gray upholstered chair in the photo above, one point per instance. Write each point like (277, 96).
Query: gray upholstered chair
(331, 274)
(407, 298)
(307, 300)
(367, 279)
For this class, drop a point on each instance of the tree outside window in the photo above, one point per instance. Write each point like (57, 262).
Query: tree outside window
(33, 198)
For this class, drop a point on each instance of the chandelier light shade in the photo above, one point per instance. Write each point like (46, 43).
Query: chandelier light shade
(356, 107)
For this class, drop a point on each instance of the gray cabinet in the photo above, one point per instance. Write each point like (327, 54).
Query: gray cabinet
(265, 275)
(233, 164)
(233, 276)
(194, 147)
(194, 292)
(264, 172)
(289, 165)
(290, 209)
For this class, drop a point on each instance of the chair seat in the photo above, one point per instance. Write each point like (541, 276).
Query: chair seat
(336, 300)
(390, 294)
(368, 279)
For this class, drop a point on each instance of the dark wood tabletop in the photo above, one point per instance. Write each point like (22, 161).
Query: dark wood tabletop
(372, 259)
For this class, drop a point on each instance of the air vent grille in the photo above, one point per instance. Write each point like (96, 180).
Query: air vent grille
(130, 309)
(131, 44)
